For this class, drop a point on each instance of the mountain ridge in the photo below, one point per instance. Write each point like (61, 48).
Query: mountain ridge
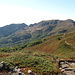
(15, 34)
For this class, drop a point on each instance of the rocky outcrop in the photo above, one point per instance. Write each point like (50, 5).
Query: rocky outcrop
(14, 71)
(5, 70)
(67, 67)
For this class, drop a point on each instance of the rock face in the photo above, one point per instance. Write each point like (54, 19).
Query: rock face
(5, 70)
(67, 67)
(31, 73)
(16, 71)
(3, 66)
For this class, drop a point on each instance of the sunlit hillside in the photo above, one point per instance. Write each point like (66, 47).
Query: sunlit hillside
(17, 34)
(41, 57)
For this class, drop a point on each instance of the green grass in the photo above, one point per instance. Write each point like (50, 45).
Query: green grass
(41, 62)
(43, 55)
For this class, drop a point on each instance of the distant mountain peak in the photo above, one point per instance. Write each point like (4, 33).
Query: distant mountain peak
(22, 33)
(69, 20)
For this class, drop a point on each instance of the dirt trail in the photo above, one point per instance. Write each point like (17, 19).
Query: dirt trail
(68, 42)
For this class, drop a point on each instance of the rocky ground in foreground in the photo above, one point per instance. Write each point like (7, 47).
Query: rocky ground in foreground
(67, 67)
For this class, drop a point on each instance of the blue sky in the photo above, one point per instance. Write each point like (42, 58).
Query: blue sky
(33, 11)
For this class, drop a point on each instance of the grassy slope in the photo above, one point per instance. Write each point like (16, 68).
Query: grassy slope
(43, 58)
(59, 45)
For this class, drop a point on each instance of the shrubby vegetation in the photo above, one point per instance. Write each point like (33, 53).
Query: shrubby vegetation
(40, 63)
(20, 47)
(41, 55)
